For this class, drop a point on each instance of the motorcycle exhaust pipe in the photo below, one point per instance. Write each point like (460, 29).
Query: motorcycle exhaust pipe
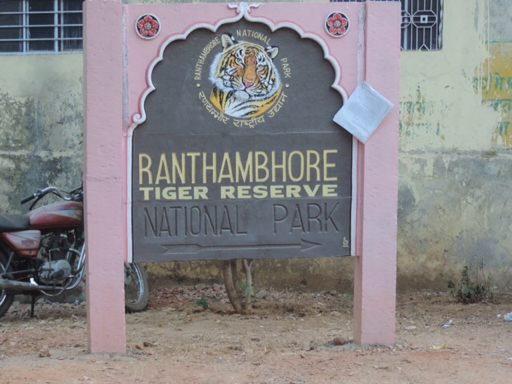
(21, 286)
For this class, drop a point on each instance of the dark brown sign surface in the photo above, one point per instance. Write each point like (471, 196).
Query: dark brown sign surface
(239, 156)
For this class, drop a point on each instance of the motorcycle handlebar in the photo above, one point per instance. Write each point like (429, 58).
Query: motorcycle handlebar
(43, 192)
(27, 199)
(37, 194)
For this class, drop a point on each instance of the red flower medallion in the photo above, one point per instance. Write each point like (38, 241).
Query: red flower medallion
(147, 26)
(337, 24)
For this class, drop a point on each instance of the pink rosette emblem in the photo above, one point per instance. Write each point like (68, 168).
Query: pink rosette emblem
(337, 24)
(147, 26)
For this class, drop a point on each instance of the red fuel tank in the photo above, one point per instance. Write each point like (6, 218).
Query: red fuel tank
(64, 214)
(26, 243)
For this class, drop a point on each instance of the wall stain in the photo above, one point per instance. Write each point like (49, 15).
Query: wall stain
(415, 114)
(493, 80)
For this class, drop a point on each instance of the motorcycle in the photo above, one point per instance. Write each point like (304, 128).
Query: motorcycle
(43, 252)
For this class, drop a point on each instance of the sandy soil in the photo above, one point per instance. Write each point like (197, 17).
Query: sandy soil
(289, 339)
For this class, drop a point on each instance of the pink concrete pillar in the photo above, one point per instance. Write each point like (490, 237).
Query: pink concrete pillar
(104, 175)
(376, 244)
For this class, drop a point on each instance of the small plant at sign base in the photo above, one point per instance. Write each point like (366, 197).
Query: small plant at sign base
(473, 286)
(203, 302)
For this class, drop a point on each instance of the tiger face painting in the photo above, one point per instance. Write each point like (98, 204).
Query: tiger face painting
(246, 82)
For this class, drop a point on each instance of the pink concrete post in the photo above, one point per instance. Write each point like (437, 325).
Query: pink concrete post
(104, 175)
(375, 275)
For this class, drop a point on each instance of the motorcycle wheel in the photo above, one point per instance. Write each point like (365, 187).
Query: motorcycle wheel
(136, 288)
(5, 298)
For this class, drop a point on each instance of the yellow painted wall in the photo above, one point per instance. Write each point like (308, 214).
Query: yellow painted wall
(439, 109)
(493, 84)
(455, 163)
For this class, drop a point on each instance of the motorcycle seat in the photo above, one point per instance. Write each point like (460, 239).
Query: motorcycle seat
(11, 223)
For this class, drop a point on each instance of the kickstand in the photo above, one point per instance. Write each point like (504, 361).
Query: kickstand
(32, 305)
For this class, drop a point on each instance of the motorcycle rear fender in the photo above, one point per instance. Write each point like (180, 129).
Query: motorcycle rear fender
(24, 243)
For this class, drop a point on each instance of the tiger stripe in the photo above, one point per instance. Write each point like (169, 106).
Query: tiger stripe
(246, 81)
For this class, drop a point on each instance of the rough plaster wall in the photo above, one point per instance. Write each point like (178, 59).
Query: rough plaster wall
(455, 163)
(41, 122)
(40, 125)
(455, 170)
(305, 274)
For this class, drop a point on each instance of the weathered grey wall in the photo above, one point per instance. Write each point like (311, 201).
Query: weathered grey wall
(453, 210)
(40, 125)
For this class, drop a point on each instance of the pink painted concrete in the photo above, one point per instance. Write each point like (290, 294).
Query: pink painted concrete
(103, 175)
(109, 113)
(375, 276)
(177, 19)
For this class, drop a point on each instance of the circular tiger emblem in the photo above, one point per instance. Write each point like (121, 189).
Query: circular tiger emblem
(245, 80)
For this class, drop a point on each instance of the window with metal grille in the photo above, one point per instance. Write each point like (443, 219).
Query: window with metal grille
(40, 26)
(422, 23)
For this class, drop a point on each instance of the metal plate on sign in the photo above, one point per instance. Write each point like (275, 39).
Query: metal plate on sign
(239, 156)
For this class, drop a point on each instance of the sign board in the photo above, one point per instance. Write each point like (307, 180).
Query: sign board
(209, 135)
(238, 156)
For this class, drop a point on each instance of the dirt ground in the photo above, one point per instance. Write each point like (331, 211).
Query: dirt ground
(289, 339)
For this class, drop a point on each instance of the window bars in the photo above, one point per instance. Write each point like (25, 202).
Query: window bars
(32, 26)
(40, 26)
(422, 23)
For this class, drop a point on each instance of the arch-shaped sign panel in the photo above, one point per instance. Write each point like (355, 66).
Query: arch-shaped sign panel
(237, 155)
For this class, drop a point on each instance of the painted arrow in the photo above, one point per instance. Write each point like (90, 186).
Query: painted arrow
(303, 245)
